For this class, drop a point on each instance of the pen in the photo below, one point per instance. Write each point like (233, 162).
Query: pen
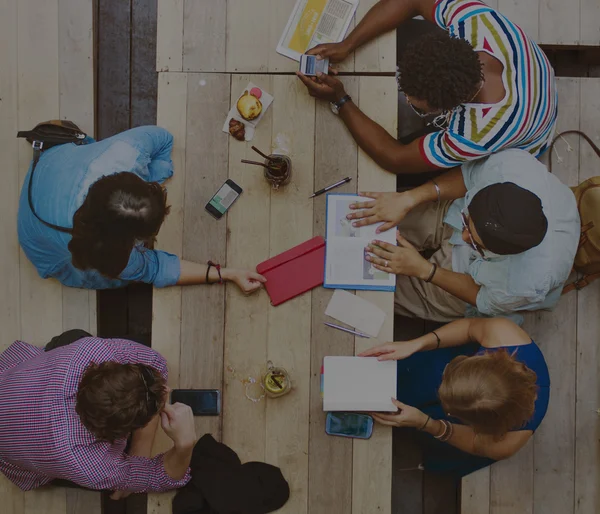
(355, 332)
(325, 189)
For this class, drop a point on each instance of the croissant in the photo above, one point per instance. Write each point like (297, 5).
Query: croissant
(237, 129)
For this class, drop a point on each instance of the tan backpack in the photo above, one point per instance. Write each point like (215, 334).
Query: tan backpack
(587, 194)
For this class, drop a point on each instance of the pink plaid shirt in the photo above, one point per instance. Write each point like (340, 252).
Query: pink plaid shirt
(41, 435)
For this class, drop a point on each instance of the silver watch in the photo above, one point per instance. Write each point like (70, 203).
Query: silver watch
(336, 106)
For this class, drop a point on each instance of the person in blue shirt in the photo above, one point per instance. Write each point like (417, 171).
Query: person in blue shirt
(475, 391)
(503, 231)
(109, 195)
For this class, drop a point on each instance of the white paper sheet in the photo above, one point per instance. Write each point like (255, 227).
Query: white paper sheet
(348, 308)
(250, 126)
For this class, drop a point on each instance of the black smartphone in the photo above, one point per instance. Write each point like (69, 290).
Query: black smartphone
(204, 402)
(218, 205)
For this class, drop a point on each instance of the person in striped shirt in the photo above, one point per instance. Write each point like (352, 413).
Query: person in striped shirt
(67, 414)
(488, 85)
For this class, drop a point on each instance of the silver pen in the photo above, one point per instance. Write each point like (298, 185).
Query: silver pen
(355, 332)
(328, 188)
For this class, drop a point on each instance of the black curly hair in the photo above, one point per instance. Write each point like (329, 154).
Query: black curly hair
(440, 69)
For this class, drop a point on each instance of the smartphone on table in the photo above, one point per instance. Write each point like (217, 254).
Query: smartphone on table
(310, 65)
(349, 424)
(222, 200)
(204, 402)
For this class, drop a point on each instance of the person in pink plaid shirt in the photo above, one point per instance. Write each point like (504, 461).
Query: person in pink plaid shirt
(67, 414)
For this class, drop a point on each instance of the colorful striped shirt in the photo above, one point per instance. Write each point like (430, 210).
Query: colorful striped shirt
(525, 118)
(41, 435)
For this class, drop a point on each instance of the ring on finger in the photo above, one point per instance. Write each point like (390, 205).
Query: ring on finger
(386, 264)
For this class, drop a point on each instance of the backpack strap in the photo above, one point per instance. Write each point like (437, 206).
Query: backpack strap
(582, 134)
(37, 153)
(580, 283)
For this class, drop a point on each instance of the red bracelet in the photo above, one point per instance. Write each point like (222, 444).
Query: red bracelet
(218, 268)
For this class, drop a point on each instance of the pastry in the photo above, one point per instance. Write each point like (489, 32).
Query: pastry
(249, 106)
(237, 129)
(256, 92)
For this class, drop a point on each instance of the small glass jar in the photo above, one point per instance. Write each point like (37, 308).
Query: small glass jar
(279, 170)
(276, 381)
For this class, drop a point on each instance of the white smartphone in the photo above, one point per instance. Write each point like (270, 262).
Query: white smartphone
(310, 65)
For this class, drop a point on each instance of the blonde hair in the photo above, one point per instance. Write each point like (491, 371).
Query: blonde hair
(493, 393)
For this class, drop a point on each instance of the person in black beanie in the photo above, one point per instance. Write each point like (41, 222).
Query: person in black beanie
(501, 233)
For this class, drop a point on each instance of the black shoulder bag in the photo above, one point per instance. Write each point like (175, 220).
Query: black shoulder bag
(46, 135)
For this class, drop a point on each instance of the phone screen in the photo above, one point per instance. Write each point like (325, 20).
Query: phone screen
(202, 402)
(223, 198)
(349, 424)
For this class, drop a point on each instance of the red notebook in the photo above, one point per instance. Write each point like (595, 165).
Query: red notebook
(294, 272)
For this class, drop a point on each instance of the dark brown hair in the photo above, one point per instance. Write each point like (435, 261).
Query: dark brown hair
(440, 69)
(115, 399)
(493, 392)
(118, 211)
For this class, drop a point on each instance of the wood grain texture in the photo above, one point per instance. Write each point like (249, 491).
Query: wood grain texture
(204, 35)
(589, 22)
(558, 22)
(379, 55)
(475, 492)
(248, 229)
(166, 303)
(525, 14)
(372, 468)
(169, 35)
(587, 436)
(144, 79)
(336, 156)
(248, 36)
(511, 488)
(279, 14)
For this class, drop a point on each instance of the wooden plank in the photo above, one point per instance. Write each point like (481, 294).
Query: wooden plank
(379, 55)
(169, 35)
(587, 450)
(511, 483)
(525, 14)
(372, 459)
(144, 79)
(204, 36)
(589, 22)
(204, 238)
(248, 39)
(440, 494)
(558, 22)
(46, 500)
(279, 14)
(166, 325)
(244, 422)
(80, 501)
(336, 156)
(475, 492)
(290, 323)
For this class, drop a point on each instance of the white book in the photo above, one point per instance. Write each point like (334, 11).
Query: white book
(361, 384)
(345, 264)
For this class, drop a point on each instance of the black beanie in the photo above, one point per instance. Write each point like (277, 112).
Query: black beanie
(508, 218)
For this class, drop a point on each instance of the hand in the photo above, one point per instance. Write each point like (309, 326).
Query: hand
(119, 495)
(336, 52)
(177, 421)
(388, 207)
(248, 281)
(394, 351)
(406, 416)
(403, 259)
(324, 87)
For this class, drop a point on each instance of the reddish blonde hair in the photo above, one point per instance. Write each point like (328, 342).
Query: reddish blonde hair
(493, 393)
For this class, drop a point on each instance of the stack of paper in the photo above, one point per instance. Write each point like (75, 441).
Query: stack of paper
(348, 308)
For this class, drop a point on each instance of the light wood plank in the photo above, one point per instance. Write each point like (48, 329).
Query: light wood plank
(475, 492)
(511, 488)
(279, 14)
(589, 22)
(204, 238)
(492, 3)
(204, 36)
(166, 303)
(169, 35)
(248, 228)
(289, 323)
(372, 468)
(524, 14)
(248, 36)
(558, 22)
(336, 156)
(379, 55)
(587, 451)
(47, 500)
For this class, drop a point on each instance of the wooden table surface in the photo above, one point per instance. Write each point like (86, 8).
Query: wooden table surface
(214, 337)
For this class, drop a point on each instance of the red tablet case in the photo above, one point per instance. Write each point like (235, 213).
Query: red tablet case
(294, 272)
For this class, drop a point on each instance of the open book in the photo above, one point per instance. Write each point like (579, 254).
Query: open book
(359, 384)
(345, 264)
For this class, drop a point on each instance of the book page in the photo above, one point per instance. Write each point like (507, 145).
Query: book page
(314, 22)
(345, 262)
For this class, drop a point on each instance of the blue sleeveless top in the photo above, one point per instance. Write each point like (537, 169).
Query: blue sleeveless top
(420, 376)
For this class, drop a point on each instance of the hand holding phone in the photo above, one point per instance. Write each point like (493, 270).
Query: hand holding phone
(177, 420)
(349, 424)
(203, 402)
(310, 65)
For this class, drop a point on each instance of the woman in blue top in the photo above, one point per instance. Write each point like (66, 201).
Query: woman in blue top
(110, 194)
(477, 389)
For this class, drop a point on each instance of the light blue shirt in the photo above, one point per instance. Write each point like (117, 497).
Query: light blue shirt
(62, 179)
(533, 279)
